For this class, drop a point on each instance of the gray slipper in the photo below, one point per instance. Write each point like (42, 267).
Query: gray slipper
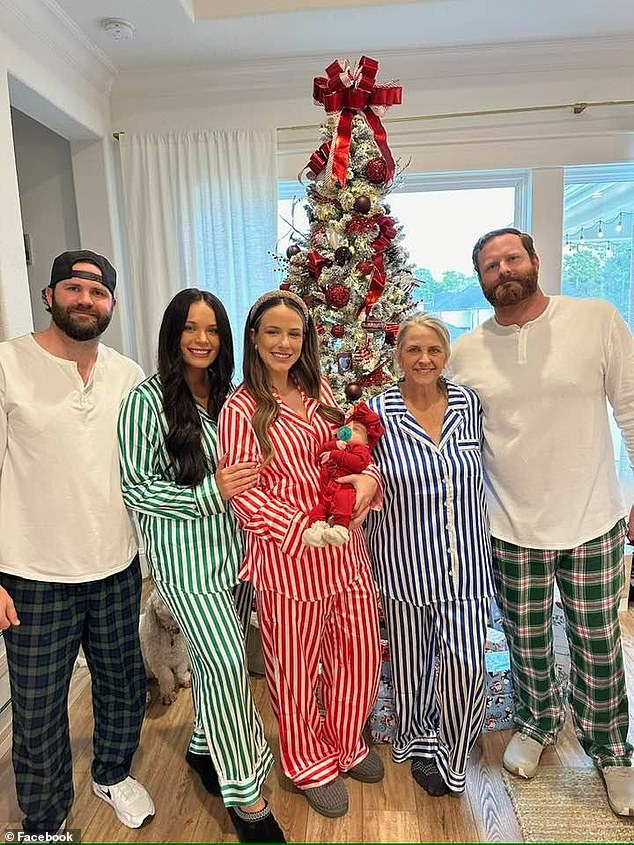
(330, 800)
(369, 770)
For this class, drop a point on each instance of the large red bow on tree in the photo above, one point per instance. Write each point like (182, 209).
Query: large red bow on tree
(350, 93)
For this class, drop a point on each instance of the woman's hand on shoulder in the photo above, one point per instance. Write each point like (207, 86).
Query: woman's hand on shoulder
(366, 488)
(237, 478)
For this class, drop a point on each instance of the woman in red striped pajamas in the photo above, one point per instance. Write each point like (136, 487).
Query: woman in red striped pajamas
(316, 606)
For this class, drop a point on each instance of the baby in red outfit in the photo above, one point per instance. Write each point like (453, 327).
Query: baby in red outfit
(349, 454)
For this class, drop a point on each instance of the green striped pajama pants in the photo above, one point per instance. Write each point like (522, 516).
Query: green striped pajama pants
(590, 580)
(226, 724)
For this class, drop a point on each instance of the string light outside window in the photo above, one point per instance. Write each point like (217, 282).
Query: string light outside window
(598, 234)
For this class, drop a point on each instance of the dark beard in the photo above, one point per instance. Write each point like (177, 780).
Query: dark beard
(76, 329)
(512, 289)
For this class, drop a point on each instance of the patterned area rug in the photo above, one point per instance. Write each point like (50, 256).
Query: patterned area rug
(566, 806)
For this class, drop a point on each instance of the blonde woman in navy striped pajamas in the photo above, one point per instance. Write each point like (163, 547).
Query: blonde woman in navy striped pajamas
(172, 479)
(431, 551)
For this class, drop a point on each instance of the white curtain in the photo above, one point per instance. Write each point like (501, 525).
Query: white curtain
(200, 210)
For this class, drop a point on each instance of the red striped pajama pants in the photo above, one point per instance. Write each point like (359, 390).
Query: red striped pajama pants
(340, 633)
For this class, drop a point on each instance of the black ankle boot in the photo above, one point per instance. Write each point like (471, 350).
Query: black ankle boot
(264, 830)
(204, 768)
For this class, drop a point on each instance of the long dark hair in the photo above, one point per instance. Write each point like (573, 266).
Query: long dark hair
(184, 428)
(305, 371)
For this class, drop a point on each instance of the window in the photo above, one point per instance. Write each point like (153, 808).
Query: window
(442, 216)
(597, 248)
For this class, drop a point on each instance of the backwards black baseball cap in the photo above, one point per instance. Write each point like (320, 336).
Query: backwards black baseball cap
(62, 268)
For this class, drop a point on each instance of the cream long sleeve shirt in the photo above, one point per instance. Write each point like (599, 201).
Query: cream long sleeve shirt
(62, 515)
(548, 452)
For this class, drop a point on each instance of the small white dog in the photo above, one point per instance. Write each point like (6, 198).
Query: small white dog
(163, 649)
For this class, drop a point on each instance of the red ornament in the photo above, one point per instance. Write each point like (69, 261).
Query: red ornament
(365, 267)
(376, 170)
(285, 286)
(353, 391)
(292, 250)
(338, 330)
(337, 296)
(362, 205)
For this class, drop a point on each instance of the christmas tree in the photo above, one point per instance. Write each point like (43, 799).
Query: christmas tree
(351, 268)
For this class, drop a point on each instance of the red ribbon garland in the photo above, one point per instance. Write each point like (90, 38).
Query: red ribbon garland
(350, 94)
(375, 288)
(319, 158)
(316, 263)
(387, 233)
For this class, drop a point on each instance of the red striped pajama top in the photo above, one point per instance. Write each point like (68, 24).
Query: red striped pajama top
(274, 514)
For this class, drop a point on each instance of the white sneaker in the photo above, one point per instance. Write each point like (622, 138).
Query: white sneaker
(522, 755)
(130, 801)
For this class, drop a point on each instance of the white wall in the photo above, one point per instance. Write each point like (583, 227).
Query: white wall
(51, 73)
(436, 82)
(47, 199)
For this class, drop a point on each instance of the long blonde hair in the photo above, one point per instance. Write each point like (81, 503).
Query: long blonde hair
(306, 371)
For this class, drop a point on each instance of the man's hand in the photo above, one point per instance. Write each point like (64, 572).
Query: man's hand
(236, 479)
(8, 613)
(366, 487)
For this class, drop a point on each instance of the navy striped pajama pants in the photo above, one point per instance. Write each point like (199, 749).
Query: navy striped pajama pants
(439, 677)
(103, 617)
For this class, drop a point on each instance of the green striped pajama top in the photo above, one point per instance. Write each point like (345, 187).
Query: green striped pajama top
(191, 541)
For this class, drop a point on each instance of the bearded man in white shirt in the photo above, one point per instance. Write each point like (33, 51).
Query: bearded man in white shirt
(543, 367)
(69, 570)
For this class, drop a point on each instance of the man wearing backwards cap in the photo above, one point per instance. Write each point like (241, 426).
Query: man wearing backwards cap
(69, 572)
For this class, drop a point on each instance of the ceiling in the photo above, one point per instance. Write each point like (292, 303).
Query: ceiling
(197, 32)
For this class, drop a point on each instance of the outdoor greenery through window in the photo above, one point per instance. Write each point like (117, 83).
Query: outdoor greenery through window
(597, 247)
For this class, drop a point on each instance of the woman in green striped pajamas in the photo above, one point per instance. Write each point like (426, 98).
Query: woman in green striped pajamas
(172, 479)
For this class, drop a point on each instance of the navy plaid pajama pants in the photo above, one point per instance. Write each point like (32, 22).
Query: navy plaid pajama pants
(103, 617)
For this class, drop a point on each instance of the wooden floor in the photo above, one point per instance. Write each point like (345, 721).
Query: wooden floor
(396, 810)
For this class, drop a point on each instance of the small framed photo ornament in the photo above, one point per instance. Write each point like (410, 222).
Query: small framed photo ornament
(372, 325)
(344, 362)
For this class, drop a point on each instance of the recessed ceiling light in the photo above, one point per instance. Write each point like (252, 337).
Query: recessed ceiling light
(118, 29)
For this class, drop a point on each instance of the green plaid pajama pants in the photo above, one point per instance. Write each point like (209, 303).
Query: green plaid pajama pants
(590, 580)
(55, 619)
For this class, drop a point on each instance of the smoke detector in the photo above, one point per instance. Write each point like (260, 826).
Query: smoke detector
(118, 29)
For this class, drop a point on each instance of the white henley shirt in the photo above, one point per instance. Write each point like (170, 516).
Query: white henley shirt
(62, 515)
(548, 452)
